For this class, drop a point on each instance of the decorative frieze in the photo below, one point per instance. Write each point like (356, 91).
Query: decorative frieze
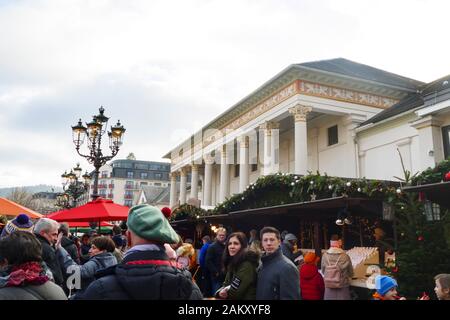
(320, 90)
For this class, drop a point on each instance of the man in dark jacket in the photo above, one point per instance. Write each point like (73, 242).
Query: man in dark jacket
(146, 273)
(278, 277)
(46, 230)
(68, 244)
(287, 247)
(213, 260)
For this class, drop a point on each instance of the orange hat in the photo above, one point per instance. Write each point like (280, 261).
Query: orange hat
(310, 258)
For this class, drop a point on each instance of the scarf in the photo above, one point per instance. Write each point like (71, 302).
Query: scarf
(378, 296)
(29, 273)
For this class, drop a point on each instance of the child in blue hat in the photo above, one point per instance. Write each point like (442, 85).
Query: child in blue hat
(386, 289)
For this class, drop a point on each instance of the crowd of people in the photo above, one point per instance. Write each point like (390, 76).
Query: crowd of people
(149, 260)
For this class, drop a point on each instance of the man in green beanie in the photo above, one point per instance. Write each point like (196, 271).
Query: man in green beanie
(146, 272)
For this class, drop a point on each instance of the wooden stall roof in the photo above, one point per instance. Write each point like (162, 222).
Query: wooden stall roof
(318, 209)
(435, 192)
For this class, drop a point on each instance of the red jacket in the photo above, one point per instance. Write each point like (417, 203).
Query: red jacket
(312, 286)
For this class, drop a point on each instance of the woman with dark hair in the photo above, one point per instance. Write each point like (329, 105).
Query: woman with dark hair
(240, 266)
(26, 277)
(101, 257)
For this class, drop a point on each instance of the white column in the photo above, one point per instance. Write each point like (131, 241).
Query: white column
(207, 187)
(194, 181)
(224, 175)
(267, 148)
(275, 147)
(243, 163)
(183, 183)
(301, 139)
(430, 141)
(173, 189)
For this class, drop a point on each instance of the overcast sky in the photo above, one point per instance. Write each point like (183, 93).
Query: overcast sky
(166, 68)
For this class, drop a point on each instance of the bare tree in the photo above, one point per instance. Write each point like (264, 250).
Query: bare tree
(21, 196)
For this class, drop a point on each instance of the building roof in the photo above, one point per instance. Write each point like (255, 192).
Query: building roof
(361, 71)
(139, 161)
(437, 85)
(155, 194)
(346, 70)
(413, 100)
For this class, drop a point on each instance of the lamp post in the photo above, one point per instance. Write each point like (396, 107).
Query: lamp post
(73, 187)
(94, 131)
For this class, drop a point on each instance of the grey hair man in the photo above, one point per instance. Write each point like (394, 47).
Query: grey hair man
(46, 230)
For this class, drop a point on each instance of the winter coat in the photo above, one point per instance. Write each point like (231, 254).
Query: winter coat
(312, 286)
(288, 251)
(277, 278)
(46, 291)
(143, 275)
(345, 264)
(87, 270)
(71, 248)
(49, 257)
(213, 260)
(202, 255)
(242, 279)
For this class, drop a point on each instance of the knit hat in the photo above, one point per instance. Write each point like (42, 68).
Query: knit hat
(166, 212)
(20, 223)
(148, 222)
(290, 237)
(310, 258)
(384, 283)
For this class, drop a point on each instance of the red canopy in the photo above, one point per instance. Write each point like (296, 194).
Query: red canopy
(97, 210)
(78, 224)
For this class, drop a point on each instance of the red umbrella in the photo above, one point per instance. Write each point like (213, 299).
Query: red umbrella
(78, 224)
(97, 210)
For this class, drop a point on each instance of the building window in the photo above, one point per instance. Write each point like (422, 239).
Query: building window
(129, 185)
(432, 211)
(130, 174)
(128, 203)
(333, 135)
(104, 174)
(141, 166)
(144, 183)
(236, 170)
(144, 175)
(446, 140)
(158, 176)
(254, 167)
(158, 184)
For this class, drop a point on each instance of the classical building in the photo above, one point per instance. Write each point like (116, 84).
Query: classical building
(121, 180)
(334, 116)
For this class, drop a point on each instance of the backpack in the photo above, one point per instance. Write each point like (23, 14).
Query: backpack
(333, 277)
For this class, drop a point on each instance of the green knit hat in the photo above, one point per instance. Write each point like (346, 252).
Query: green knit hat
(149, 223)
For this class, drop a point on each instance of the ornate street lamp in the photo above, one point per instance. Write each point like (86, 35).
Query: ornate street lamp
(94, 131)
(73, 186)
